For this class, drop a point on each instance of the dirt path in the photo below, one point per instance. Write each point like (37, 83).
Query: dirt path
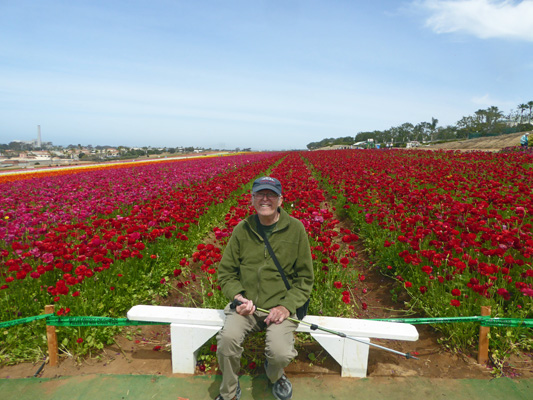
(492, 143)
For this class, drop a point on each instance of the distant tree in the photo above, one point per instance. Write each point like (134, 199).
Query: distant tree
(433, 127)
(467, 125)
(530, 107)
(522, 108)
(18, 146)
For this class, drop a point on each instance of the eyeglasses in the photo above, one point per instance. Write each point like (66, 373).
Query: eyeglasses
(268, 195)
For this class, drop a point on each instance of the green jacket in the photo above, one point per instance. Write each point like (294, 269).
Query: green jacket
(246, 266)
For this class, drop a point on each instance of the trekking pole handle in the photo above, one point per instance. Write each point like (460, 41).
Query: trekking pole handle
(235, 303)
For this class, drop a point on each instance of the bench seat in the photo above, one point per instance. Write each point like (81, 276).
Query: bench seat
(190, 328)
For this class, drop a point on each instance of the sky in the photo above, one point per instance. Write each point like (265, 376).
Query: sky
(259, 74)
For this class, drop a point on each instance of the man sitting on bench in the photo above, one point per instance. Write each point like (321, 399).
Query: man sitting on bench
(250, 276)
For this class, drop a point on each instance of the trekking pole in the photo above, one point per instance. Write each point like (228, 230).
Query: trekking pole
(314, 327)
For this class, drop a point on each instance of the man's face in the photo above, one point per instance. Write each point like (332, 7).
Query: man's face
(266, 202)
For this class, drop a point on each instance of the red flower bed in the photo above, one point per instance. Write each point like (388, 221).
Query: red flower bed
(455, 227)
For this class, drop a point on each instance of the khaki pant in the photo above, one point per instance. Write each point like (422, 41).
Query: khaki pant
(279, 347)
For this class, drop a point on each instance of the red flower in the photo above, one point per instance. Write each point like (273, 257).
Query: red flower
(427, 269)
(456, 292)
(213, 348)
(408, 284)
(157, 348)
(455, 302)
(423, 289)
(337, 284)
(504, 293)
(79, 340)
(252, 365)
(365, 306)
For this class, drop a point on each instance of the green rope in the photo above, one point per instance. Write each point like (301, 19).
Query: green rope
(444, 320)
(54, 320)
(96, 321)
(8, 324)
(484, 321)
(513, 322)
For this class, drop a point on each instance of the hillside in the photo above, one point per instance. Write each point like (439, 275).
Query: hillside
(492, 143)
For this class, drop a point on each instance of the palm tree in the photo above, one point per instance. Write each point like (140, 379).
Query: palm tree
(522, 108)
(433, 127)
(530, 106)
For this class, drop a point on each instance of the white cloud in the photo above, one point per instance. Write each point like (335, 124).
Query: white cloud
(482, 18)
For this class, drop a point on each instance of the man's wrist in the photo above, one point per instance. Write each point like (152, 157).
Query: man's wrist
(239, 296)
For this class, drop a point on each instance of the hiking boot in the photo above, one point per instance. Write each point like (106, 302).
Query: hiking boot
(282, 389)
(236, 397)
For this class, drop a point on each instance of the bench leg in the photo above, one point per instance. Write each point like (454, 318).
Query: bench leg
(351, 355)
(186, 340)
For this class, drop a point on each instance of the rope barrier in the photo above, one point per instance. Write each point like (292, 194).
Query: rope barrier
(8, 324)
(443, 320)
(54, 320)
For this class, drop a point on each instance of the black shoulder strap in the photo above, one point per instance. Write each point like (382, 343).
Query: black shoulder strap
(272, 254)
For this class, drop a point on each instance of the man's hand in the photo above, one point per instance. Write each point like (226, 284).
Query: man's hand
(277, 315)
(246, 308)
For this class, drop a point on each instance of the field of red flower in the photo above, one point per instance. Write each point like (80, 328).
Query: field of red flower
(453, 229)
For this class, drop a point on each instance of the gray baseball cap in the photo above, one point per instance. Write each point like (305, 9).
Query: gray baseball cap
(266, 182)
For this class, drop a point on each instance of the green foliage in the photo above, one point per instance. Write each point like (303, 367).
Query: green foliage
(348, 140)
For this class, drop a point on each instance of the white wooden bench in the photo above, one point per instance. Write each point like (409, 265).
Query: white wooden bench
(190, 328)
